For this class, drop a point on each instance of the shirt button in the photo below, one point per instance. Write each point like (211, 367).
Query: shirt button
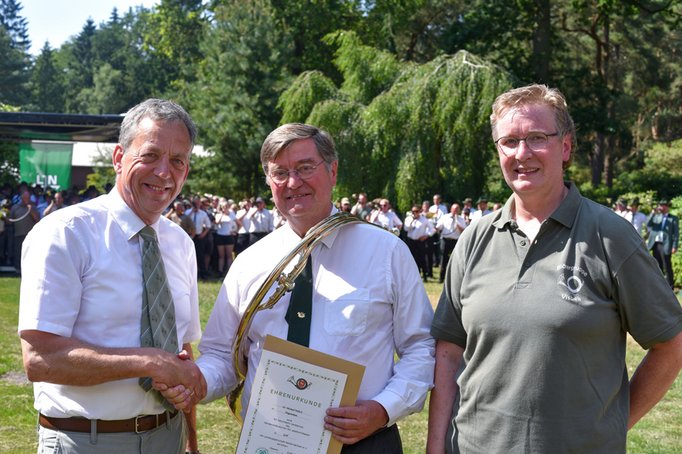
(522, 242)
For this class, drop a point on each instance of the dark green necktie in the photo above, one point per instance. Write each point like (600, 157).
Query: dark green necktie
(157, 324)
(301, 306)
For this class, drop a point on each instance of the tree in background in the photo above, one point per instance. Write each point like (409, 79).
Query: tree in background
(173, 33)
(413, 30)
(308, 30)
(9, 155)
(404, 130)
(617, 61)
(15, 24)
(78, 63)
(47, 84)
(234, 97)
(14, 58)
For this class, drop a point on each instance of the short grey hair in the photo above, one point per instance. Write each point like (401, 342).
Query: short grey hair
(157, 110)
(285, 135)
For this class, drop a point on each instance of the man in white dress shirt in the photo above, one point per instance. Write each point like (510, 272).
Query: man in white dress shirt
(81, 304)
(419, 231)
(450, 227)
(243, 224)
(202, 230)
(636, 217)
(261, 222)
(385, 217)
(368, 303)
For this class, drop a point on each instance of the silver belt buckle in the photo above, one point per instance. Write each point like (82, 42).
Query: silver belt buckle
(137, 424)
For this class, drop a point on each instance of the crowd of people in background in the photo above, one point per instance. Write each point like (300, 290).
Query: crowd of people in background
(21, 208)
(660, 229)
(221, 228)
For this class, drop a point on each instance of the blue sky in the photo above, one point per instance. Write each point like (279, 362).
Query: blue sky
(57, 20)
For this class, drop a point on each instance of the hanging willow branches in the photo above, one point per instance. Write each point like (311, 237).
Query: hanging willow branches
(403, 130)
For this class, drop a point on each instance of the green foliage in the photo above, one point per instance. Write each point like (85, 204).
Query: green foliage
(424, 130)
(9, 154)
(9, 163)
(13, 74)
(413, 30)
(102, 97)
(15, 24)
(234, 98)
(366, 71)
(665, 158)
(337, 116)
(307, 22)
(617, 62)
(661, 172)
(206, 176)
(308, 89)
(103, 172)
(173, 34)
(599, 194)
(14, 58)
(47, 83)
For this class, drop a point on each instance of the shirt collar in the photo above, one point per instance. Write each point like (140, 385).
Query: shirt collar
(328, 241)
(125, 217)
(565, 214)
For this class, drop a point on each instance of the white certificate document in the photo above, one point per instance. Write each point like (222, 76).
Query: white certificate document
(289, 399)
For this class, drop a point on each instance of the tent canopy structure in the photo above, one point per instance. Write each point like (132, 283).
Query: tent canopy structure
(27, 126)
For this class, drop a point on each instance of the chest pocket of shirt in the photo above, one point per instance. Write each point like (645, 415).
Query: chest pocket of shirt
(347, 315)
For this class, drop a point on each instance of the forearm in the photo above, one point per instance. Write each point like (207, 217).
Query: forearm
(654, 376)
(448, 359)
(70, 362)
(63, 360)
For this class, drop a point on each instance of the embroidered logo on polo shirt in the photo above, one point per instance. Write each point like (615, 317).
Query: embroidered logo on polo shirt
(571, 279)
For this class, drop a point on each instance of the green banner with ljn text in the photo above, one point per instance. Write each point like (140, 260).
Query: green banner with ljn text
(46, 164)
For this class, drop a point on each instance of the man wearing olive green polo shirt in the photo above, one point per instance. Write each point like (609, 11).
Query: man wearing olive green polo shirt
(538, 298)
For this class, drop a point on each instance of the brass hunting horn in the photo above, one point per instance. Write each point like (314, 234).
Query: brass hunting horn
(285, 283)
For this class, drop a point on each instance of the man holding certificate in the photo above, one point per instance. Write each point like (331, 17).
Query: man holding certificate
(368, 302)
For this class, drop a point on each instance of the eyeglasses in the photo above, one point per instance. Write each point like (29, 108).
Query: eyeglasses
(304, 171)
(536, 141)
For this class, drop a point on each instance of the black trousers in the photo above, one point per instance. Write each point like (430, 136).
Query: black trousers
(418, 250)
(385, 441)
(436, 248)
(447, 246)
(242, 243)
(200, 250)
(256, 236)
(665, 262)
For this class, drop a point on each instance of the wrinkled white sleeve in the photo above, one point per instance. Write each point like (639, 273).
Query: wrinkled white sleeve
(215, 360)
(412, 378)
(53, 260)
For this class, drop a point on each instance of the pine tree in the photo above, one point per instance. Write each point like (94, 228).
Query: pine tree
(16, 26)
(47, 84)
(235, 95)
(14, 57)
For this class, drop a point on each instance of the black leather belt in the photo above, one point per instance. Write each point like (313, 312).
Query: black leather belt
(137, 424)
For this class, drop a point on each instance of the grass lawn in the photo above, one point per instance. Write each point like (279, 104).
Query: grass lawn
(660, 432)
